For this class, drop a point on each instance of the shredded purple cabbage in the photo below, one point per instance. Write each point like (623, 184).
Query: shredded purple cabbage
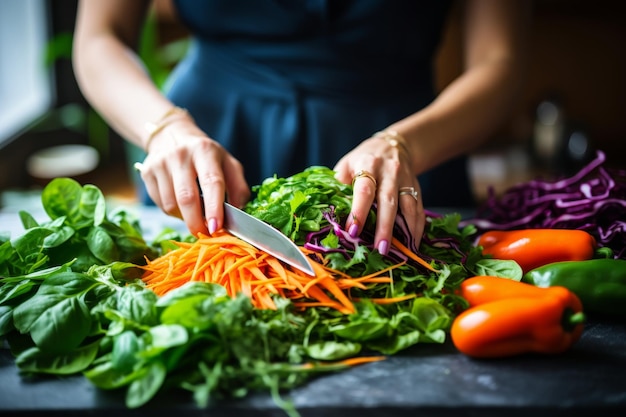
(348, 244)
(594, 199)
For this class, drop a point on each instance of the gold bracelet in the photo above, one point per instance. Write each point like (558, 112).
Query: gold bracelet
(393, 138)
(153, 128)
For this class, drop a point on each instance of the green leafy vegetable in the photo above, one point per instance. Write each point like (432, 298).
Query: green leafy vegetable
(295, 204)
(70, 300)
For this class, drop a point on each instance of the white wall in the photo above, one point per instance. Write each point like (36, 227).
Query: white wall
(26, 84)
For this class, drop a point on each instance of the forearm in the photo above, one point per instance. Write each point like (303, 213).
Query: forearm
(463, 116)
(473, 106)
(114, 81)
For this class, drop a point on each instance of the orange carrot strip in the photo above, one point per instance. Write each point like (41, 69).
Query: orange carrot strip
(375, 280)
(332, 287)
(378, 273)
(391, 300)
(319, 295)
(238, 264)
(212, 259)
(315, 281)
(344, 283)
(314, 304)
(199, 262)
(359, 360)
(218, 270)
(408, 252)
(266, 300)
(277, 267)
(262, 278)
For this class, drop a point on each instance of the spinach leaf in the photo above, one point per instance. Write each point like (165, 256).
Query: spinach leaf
(499, 268)
(144, 387)
(6, 320)
(105, 375)
(57, 317)
(126, 347)
(79, 231)
(82, 206)
(332, 350)
(38, 360)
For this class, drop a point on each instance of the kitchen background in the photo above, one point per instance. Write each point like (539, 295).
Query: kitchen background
(574, 101)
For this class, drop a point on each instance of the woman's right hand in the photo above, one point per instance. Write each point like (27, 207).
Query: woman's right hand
(185, 170)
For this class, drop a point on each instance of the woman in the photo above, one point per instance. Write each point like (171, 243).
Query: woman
(272, 87)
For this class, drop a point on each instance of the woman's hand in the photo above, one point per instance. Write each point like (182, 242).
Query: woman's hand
(380, 170)
(186, 170)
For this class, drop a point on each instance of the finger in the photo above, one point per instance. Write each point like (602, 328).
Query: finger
(237, 189)
(412, 209)
(151, 185)
(187, 197)
(160, 189)
(363, 195)
(212, 183)
(387, 208)
(342, 171)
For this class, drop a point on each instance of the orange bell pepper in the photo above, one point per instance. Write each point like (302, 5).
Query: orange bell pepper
(484, 289)
(532, 248)
(508, 318)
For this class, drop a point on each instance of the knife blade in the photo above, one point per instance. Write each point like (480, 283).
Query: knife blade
(265, 237)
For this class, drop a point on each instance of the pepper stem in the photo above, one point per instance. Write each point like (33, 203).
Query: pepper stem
(577, 318)
(570, 319)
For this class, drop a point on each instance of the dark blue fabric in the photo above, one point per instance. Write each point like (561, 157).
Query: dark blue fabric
(287, 84)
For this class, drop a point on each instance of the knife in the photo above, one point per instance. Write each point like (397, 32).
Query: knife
(265, 237)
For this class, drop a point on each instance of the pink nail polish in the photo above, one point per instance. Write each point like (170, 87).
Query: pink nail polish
(383, 247)
(353, 230)
(212, 226)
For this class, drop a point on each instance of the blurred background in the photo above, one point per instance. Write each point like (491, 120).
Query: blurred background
(574, 101)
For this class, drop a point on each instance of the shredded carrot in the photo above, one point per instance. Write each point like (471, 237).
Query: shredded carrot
(391, 300)
(408, 252)
(241, 268)
(357, 360)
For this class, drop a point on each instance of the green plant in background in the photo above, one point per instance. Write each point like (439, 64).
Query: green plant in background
(159, 58)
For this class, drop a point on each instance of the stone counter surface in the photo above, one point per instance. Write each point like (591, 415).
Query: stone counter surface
(427, 380)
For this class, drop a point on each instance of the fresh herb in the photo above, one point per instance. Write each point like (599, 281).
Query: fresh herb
(295, 205)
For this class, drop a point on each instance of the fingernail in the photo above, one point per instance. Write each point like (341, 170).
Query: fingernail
(383, 247)
(212, 226)
(353, 230)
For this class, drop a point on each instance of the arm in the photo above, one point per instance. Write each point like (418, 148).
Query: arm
(461, 118)
(475, 104)
(114, 81)
(109, 73)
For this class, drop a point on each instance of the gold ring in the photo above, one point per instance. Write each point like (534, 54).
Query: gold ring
(363, 173)
(408, 191)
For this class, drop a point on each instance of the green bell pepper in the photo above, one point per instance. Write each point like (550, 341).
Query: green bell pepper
(599, 283)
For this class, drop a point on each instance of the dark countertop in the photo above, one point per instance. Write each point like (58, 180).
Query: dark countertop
(426, 380)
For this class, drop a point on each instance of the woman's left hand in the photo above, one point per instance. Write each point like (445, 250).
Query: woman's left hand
(381, 172)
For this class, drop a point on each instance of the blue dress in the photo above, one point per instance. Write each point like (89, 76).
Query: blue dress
(287, 84)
